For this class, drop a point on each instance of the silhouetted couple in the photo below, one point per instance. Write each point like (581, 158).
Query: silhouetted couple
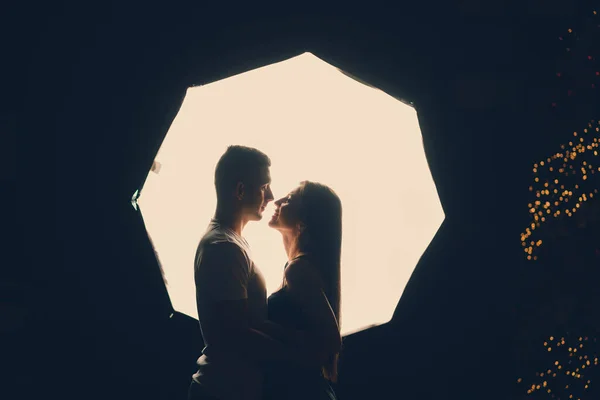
(286, 347)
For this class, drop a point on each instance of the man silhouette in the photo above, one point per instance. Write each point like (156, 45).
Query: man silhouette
(230, 289)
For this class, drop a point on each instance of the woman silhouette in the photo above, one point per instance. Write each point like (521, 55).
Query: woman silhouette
(309, 219)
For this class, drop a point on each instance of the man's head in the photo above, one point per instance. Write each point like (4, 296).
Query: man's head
(243, 180)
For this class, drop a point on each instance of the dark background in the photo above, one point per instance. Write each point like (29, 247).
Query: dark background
(89, 90)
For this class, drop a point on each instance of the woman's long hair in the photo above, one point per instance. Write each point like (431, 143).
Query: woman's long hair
(321, 238)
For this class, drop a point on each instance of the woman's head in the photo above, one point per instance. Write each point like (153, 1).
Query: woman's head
(286, 218)
(311, 213)
(311, 217)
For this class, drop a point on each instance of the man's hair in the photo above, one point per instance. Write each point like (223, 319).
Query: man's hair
(238, 164)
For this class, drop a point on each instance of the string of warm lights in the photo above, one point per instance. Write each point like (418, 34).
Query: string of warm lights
(562, 183)
(563, 186)
(568, 375)
(565, 180)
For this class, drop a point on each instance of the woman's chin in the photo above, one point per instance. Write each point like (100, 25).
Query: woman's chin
(275, 225)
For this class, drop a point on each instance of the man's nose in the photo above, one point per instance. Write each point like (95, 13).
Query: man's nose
(270, 195)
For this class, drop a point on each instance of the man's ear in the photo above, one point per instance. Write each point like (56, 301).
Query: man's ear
(239, 190)
(301, 226)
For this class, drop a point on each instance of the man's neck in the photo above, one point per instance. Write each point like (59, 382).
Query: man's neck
(230, 219)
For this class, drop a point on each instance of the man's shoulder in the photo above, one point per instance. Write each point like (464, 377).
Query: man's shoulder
(219, 248)
(214, 235)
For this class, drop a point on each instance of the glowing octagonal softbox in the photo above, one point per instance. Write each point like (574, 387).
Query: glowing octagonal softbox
(315, 123)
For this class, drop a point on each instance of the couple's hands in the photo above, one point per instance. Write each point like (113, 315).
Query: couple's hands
(284, 335)
(297, 344)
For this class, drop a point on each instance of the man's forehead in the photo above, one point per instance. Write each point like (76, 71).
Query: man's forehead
(263, 176)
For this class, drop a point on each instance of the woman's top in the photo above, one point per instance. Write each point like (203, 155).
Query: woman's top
(285, 380)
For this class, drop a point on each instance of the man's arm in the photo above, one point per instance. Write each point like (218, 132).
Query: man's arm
(236, 335)
(305, 342)
(226, 285)
(287, 336)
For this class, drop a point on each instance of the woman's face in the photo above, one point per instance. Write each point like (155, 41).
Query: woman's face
(287, 211)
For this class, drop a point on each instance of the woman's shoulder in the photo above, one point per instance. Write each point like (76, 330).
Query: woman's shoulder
(302, 270)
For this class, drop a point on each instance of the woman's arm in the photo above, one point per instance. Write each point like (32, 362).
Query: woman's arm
(278, 332)
(302, 342)
(237, 336)
(306, 288)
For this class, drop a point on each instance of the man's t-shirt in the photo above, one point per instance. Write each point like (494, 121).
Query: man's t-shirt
(224, 270)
